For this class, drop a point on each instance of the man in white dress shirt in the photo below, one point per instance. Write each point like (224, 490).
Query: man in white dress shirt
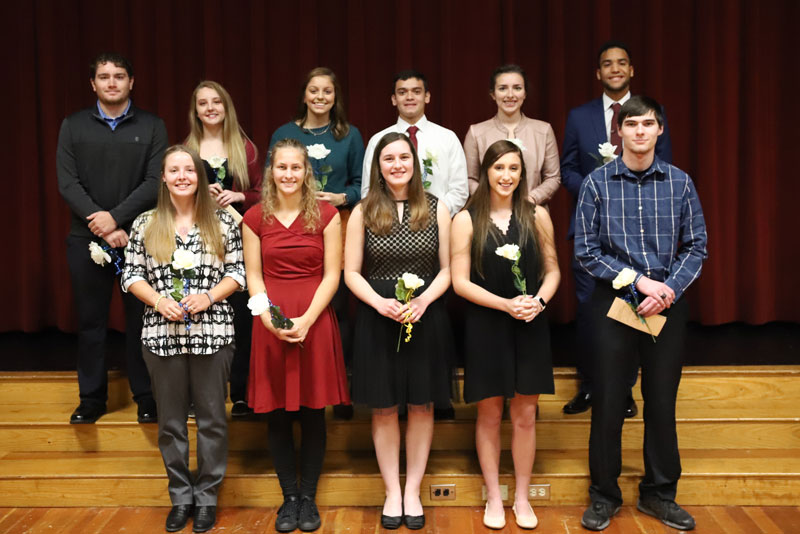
(441, 157)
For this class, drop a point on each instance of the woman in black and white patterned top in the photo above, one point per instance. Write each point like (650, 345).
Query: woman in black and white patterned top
(183, 260)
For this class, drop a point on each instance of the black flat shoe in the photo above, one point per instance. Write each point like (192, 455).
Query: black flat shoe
(87, 413)
(630, 408)
(204, 518)
(178, 517)
(414, 522)
(288, 513)
(579, 403)
(308, 518)
(391, 522)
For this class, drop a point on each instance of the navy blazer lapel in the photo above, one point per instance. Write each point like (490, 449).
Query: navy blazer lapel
(599, 121)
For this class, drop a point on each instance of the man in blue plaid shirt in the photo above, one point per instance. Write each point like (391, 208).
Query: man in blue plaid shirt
(641, 213)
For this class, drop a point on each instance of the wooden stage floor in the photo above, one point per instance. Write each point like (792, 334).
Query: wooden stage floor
(364, 520)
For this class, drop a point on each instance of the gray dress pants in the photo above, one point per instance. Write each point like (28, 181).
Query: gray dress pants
(177, 382)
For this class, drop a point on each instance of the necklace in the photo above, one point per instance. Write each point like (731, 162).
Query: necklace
(317, 134)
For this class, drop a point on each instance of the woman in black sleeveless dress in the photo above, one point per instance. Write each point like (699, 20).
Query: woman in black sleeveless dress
(507, 346)
(398, 229)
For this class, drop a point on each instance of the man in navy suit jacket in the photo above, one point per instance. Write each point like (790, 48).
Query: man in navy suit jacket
(589, 126)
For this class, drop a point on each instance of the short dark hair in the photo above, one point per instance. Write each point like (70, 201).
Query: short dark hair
(640, 105)
(408, 74)
(613, 44)
(110, 57)
(507, 69)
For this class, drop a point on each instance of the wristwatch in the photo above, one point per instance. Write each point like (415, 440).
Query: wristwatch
(541, 301)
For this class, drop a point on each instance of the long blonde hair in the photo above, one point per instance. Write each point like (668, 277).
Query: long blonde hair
(309, 206)
(233, 137)
(379, 204)
(159, 234)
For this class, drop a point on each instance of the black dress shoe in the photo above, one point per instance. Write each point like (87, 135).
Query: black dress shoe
(581, 402)
(146, 413)
(308, 518)
(667, 511)
(414, 522)
(241, 409)
(87, 413)
(630, 409)
(391, 522)
(204, 518)
(178, 517)
(288, 513)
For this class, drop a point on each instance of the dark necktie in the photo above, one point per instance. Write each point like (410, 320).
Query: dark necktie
(614, 137)
(412, 134)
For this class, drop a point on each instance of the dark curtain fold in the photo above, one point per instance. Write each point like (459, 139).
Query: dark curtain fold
(725, 70)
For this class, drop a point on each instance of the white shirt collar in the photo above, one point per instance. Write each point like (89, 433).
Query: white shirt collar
(607, 100)
(402, 125)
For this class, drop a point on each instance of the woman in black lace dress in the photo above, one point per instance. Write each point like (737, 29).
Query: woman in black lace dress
(507, 345)
(399, 229)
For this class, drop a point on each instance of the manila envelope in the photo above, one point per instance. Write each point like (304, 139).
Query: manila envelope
(620, 311)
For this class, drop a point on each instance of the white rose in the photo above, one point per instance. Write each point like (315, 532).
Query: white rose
(412, 281)
(518, 142)
(606, 150)
(99, 256)
(431, 157)
(258, 304)
(625, 278)
(317, 151)
(509, 252)
(183, 259)
(216, 162)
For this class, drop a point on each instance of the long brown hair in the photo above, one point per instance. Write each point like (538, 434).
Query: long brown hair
(339, 125)
(479, 206)
(309, 205)
(378, 206)
(233, 136)
(159, 235)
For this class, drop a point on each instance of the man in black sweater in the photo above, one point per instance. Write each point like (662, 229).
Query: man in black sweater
(109, 163)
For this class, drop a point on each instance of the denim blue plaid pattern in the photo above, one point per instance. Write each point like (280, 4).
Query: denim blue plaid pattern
(653, 224)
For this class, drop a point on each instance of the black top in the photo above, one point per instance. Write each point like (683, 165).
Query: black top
(100, 169)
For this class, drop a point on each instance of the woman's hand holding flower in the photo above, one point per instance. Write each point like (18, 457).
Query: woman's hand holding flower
(418, 307)
(391, 308)
(522, 307)
(196, 303)
(297, 333)
(170, 310)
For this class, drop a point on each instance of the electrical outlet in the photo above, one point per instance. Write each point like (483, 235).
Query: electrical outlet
(503, 492)
(539, 492)
(443, 492)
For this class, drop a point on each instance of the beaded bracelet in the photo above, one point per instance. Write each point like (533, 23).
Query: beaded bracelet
(157, 301)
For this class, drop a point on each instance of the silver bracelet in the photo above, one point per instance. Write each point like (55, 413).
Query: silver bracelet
(210, 297)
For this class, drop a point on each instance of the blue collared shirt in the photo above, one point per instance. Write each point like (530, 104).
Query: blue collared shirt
(113, 121)
(653, 224)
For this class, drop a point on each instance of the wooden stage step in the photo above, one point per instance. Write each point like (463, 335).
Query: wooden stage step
(765, 477)
(697, 383)
(711, 425)
(739, 431)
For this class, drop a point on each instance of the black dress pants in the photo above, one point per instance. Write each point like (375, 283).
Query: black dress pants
(584, 288)
(92, 286)
(243, 332)
(620, 349)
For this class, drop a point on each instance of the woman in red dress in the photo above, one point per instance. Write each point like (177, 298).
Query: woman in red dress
(293, 255)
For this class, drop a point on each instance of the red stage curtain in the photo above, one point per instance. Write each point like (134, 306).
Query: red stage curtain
(725, 70)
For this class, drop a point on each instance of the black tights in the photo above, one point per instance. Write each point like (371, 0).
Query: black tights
(312, 449)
